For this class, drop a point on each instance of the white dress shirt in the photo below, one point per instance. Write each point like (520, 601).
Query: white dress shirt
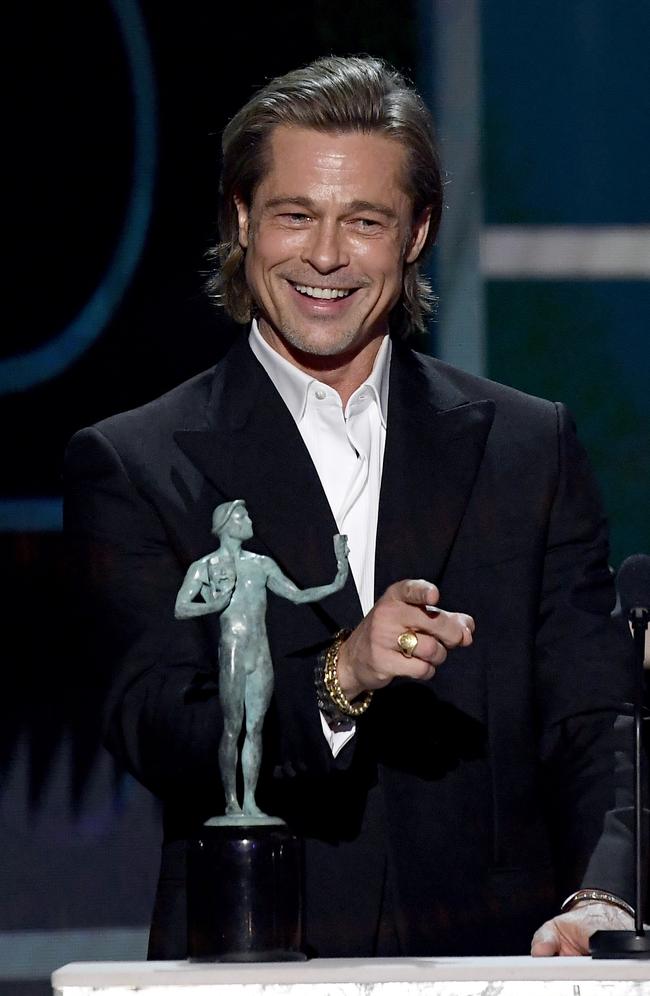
(347, 450)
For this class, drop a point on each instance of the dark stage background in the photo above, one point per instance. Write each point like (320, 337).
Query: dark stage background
(113, 142)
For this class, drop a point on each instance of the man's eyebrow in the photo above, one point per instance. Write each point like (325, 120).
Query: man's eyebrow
(354, 206)
(351, 207)
(289, 199)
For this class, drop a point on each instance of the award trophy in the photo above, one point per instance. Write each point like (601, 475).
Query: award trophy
(244, 868)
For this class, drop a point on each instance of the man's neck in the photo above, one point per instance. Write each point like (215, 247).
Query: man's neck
(344, 372)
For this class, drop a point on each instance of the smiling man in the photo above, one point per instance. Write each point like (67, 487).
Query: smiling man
(327, 236)
(444, 730)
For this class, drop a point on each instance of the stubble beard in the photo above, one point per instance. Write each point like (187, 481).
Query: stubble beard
(339, 344)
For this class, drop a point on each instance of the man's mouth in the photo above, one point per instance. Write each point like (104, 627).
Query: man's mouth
(323, 293)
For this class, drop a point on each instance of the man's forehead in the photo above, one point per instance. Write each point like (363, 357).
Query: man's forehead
(342, 155)
(334, 142)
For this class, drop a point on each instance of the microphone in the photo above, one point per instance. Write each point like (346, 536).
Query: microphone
(633, 582)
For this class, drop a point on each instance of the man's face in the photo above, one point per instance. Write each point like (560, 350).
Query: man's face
(326, 236)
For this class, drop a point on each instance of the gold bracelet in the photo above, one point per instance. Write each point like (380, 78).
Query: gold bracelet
(596, 896)
(331, 681)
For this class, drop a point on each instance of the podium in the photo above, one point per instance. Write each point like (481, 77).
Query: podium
(359, 977)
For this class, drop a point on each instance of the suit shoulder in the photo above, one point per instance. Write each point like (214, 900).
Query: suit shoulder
(508, 401)
(142, 438)
(181, 407)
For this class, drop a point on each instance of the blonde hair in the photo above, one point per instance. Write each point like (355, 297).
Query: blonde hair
(356, 93)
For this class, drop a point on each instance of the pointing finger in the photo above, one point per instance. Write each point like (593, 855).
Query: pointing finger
(453, 629)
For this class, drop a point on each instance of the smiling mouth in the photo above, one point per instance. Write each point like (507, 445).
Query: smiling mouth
(323, 293)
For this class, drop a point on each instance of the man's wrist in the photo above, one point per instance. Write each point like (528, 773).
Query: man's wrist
(595, 896)
(348, 682)
(333, 702)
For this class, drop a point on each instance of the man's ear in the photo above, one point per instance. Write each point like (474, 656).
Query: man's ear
(242, 219)
(419, 231)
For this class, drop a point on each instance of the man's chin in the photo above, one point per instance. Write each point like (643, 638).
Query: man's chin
(323, 343)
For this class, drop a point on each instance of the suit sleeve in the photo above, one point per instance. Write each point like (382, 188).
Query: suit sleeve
(162, 718)
(125, 574)
(584, 686)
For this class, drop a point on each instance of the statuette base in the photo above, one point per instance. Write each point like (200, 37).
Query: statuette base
(244, 901)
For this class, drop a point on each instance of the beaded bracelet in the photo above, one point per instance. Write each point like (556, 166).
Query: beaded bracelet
(332, 700)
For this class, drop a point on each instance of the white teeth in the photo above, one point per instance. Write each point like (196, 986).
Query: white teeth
(328, 293)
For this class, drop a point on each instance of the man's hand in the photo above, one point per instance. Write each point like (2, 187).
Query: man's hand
(569, 933)
(370, 658)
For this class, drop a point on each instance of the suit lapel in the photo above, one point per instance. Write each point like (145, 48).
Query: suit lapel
(251, 449)
(434, 446)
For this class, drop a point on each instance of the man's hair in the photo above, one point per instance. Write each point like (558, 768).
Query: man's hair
(333, 94)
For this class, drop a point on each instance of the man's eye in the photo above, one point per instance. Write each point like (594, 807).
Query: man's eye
(367, 223)
(295, 217)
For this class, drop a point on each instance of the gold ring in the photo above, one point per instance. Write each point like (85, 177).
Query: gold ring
(407, 642)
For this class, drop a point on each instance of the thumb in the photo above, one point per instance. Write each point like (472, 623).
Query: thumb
(546, 942)
(417, 592)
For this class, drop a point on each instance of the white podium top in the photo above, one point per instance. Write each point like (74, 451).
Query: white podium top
(360, 977)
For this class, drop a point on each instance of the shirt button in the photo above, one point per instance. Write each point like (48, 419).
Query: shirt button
(361, 397)
(320, 395)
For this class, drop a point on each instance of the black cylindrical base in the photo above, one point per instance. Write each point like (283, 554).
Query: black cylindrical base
(244, 898)
(619, 944)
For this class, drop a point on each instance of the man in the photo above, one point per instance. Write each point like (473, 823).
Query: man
(233, 583)
(447, 806)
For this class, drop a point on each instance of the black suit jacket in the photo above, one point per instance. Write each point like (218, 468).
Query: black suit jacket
(476, 799)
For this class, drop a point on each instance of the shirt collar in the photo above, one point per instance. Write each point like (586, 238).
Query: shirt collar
(292, 384)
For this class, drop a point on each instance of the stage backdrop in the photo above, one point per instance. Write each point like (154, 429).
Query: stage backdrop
(116, 111)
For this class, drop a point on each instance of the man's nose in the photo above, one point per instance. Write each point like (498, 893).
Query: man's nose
(325, 250)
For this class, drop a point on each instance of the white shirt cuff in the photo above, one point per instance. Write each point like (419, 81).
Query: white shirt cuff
(336, 739)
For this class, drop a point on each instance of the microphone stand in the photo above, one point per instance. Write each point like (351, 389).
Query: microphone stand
(632, 943)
